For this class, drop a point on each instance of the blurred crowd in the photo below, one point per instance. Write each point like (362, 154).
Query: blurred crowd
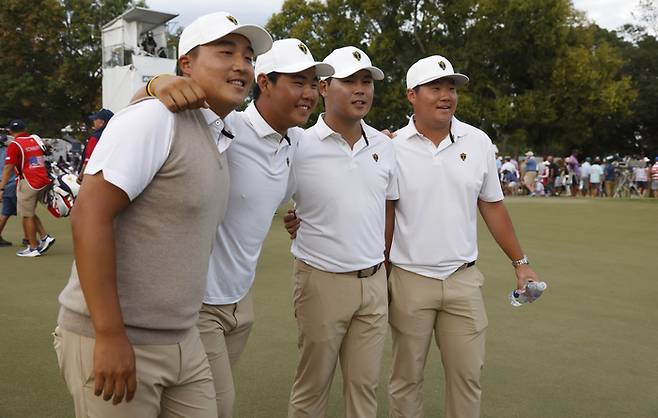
(610, 176)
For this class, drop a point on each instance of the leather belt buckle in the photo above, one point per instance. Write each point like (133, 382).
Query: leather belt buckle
(466, 265)
(370, 271)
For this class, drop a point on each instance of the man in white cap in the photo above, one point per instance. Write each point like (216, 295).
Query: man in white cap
(267, 133)
(344, 173)
(446, 172)
(126, 328)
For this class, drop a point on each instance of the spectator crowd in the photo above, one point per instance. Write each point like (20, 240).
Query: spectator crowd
(577, 175)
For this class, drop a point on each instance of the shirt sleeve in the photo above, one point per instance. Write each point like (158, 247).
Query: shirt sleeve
(89, 149)
(490, 191)
(13, 154)
(136, 143)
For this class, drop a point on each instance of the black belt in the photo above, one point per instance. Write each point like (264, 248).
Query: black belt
(367, 272)
(466, 265)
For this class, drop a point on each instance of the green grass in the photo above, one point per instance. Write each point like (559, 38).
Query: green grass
(587, 349)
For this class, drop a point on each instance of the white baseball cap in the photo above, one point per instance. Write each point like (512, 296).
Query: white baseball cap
(432, 68)
(213, 26)
(290, 56)
(348, 60)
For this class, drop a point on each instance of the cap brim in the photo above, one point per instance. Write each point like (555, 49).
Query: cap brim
(377, 74)
(321, 69)
(459, 79)
(260, 39)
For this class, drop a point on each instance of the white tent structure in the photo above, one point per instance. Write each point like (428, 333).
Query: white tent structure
(134, 50)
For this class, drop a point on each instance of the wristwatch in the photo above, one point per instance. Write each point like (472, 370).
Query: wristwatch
(520, 261)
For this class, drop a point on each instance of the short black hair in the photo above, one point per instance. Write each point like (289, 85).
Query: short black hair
(273, 77)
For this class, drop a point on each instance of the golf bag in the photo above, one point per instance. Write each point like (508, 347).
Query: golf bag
(61, 194)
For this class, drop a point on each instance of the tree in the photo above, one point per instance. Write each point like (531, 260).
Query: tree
(50, 69)
(539, 77)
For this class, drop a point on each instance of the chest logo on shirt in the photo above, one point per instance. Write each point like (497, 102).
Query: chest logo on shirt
(288, 161)
(375, 157)
(463, 156)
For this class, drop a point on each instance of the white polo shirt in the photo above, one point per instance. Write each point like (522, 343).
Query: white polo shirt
(436, 215)
(137, 141)
(340, 195)
(259, 162)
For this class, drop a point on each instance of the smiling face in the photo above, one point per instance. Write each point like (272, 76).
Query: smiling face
(434, 103)
(289, 100)
(223, 69)
(349, 98)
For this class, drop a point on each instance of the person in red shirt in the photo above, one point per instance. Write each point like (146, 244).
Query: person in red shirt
(653, 173)
(99, 119)
(25, 156)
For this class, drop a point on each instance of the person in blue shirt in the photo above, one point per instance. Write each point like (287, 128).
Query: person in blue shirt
(530, 172)
(8, 203)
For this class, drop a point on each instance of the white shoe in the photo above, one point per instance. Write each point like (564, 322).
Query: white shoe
(28, 252)
(45, 243)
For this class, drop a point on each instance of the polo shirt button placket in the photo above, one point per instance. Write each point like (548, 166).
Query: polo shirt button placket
(436, 158)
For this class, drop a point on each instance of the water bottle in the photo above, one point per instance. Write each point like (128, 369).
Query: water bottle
(533, 290)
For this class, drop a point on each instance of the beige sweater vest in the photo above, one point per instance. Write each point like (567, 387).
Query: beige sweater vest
(163, 242)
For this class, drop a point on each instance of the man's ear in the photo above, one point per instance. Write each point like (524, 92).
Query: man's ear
(263, 82)
(324, 86)
(185, 64)
(411, 96)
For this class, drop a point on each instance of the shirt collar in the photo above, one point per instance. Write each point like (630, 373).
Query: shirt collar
(262, 128)
(216, 123)
(323, 131)
(457, 129)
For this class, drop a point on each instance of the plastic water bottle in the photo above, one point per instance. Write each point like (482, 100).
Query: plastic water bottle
(533, 290)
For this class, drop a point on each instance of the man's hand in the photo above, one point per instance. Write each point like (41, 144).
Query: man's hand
(179, 93)
(524, 274)
(115, 375)
(291, 222)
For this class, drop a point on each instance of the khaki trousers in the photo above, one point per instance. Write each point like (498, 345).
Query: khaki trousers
(27, 198)
(452, 310)
(529, 180)
(224, 332)
(340, 317)
(172, 380)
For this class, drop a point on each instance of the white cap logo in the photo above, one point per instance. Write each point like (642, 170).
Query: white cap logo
(232, 19)
(303, 48)
(442, 65)
(357, 55)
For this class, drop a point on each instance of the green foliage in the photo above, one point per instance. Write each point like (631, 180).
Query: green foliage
(540, 75)
(50, 66)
